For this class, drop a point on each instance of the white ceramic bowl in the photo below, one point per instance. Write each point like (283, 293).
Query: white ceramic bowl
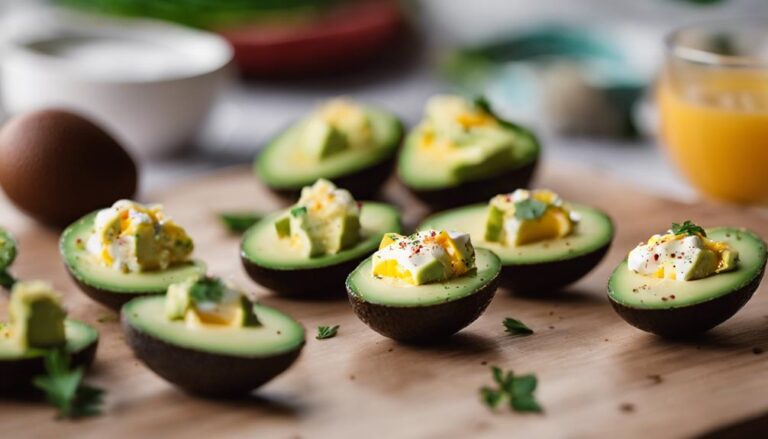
(150, 83)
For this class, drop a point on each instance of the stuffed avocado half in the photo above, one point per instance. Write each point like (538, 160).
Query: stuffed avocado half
(687, 280)
(544, 243)
(207, 338)
(38, 324)
(349, 143)
(462, 153)
(127, 250)
(423, 287)
(309, 249)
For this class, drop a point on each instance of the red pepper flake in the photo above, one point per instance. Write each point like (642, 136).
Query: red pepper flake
(664, 299)
(655, 256)
(433, 233)
(672, 296)
(672, 255)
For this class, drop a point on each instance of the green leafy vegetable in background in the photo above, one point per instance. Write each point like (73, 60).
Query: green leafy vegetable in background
(529, 209)
(207, 289)
(324, 332)
(688, 228)
(516, 327)
(65, 390)
(209, 14)
(518, 390)
(7, 256)
(239, 222)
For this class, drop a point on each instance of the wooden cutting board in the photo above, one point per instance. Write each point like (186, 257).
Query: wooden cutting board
(598, 376)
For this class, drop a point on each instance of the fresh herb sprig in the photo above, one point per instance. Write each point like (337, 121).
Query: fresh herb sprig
(7, 256)
(517, 390)
(207, 289)
(298, 211)
(324, 332)
(239, 222)
(516, 327)
(64, 388)
(687, 228)
(529, 209)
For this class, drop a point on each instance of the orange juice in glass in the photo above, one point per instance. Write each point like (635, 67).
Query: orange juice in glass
(713, 102)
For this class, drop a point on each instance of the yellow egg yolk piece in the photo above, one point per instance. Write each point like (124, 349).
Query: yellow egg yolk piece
(524, 217)
(424, 257)
(682, 256)
(131, 237)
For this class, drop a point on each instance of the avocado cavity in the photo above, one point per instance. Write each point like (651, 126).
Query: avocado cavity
(325, 221)
(36, 316)
(208, 302)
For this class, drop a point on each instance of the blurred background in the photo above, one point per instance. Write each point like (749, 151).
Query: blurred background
(205, 83)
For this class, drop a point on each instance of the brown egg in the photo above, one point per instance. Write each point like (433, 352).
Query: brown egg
(57, 166)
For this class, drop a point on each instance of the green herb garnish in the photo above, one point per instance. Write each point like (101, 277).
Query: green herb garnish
(516, 327)
(207, 289)
(239, 222)
(529, 209)
(65, 390)
(324, 332)
(7, 256)
(518, 390)
(687, 228)
(298, 211)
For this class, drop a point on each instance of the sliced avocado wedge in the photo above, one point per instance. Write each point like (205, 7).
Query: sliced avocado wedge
(433, 182)
(285, 167)
(211, 361)
(674, 308)
(540, 267)
(275, 264)
(113, 287)
(18, 366)
(427, 312)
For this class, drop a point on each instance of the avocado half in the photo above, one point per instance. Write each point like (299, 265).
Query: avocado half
(424, 176)
(541, 267)
(217, 362)
(274, 264)
(674, 309)
(19, 368)
(423, 313)
(283, 168)
(113, 287)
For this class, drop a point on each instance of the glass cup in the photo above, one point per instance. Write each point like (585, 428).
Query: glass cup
(713, 104)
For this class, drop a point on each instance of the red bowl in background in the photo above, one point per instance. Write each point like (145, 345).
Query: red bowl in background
(336, 39)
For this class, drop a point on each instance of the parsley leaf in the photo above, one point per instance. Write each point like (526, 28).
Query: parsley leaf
(65, 390)
(687, 228)
(298, 211)
(529, 209)
(324, 332)
(518, 390)
(239, 222)
(207, 289)
(516, 327)
(7, 256)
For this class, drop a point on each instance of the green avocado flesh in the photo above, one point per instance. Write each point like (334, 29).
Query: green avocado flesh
(285, 165)
(263, 247)
(277, 334)
(593, 231)
(423, 171)
(79, 336)
(87, 269)
(393, 292)
(638, 291)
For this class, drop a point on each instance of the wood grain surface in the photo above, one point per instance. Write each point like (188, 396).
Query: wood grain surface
(598, 376)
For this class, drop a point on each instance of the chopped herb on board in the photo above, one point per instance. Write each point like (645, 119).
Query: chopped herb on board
(239, 222)
(516, 327)
(324, 332)
(64, 388)
(517, 390)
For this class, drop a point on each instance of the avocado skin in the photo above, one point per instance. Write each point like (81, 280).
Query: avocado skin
(17, 374)
(105, 297)
(311, 283)
(690, 320)
(423, 324)
(363, 184)
(478, 190)
(550, 277)
(202, 373)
